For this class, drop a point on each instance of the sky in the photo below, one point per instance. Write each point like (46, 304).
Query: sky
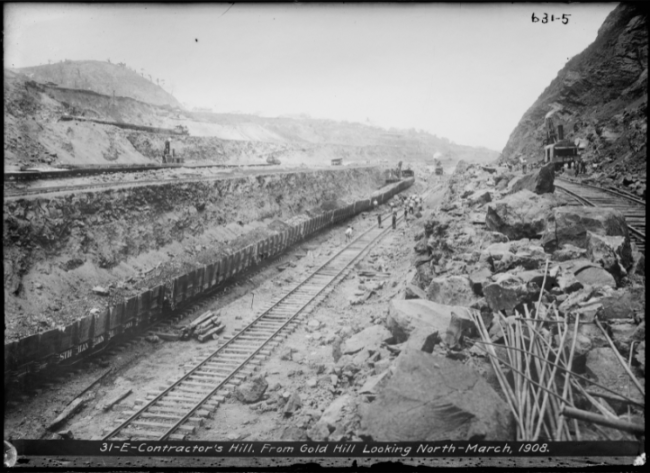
(467, 72)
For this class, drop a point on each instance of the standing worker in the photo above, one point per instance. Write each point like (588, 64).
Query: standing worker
(168, 145)
(379, 219)
(348, 233)
(394, 219)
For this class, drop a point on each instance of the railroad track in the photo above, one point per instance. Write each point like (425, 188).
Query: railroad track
(180, 409)
(236, 172)
(65, 173)
(632, 208)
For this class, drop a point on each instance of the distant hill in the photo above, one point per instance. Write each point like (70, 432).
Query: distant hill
(601, 98)
(101, 77)
(35, 134)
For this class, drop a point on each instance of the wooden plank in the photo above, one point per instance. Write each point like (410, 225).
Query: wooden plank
(109, 405)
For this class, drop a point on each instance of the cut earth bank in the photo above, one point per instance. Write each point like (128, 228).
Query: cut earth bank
(298, 382)
(57, 248)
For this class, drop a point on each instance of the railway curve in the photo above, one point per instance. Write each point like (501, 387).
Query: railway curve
(632, 208)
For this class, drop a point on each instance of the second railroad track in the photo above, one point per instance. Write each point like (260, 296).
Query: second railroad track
(633, 209)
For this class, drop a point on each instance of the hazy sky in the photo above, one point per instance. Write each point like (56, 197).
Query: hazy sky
(467, 72)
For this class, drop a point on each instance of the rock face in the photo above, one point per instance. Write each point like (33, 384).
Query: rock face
(431, 397)
(520, 215)
(570, 225)
(539, 181)
(600, 95)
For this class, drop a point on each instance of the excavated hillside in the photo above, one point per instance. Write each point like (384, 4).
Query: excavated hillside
(600, 96)
(101, 77)
(36, 135)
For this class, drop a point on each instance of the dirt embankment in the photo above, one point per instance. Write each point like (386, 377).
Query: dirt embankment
(57, 248)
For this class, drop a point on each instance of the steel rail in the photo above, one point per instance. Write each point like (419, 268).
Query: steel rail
(235, 174)
(64, 173)
(620, 193)
(291, 319)
(635, 231)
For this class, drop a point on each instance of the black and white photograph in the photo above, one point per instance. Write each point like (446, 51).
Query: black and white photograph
(249, 235)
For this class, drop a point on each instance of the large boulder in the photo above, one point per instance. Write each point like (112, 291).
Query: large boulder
(501, 181)
(595, 276)
(478, 278)
(603, 365)
(480, 197)
(539, 181)
(431, 397)
(251, 391)
(625, 334)
(520, 215)
(504, 256)
(613, 253)
(571, 225)
(414, 292)
(468, 190)
(369, 338)
(623, 304)
(506, 293)
(568, 252)
(424, 274)
(406, 317)
(451, 290)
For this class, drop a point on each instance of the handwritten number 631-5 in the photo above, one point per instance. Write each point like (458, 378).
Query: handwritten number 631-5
(546, 18)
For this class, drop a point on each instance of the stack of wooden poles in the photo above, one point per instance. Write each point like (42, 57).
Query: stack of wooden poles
(205, 327)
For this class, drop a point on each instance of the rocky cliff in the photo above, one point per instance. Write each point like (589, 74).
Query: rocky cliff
(600, 97)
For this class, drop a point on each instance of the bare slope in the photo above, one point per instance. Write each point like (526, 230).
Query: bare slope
(602, 94)
(35, 135)
(102, 77)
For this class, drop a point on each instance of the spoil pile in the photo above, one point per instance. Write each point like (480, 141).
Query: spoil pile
(540, 278)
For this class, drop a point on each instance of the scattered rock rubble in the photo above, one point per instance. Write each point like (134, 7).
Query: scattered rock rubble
(529, 246)
(415, 371)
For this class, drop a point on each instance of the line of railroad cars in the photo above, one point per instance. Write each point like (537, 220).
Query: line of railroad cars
(90, 334)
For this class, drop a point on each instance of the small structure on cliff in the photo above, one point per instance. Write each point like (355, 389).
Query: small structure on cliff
(557, 149)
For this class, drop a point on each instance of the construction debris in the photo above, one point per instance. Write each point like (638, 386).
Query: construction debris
(109, 404)
(205, 327)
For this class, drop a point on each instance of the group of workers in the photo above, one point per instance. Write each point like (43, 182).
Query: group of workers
(410, 204)
(579, 166)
